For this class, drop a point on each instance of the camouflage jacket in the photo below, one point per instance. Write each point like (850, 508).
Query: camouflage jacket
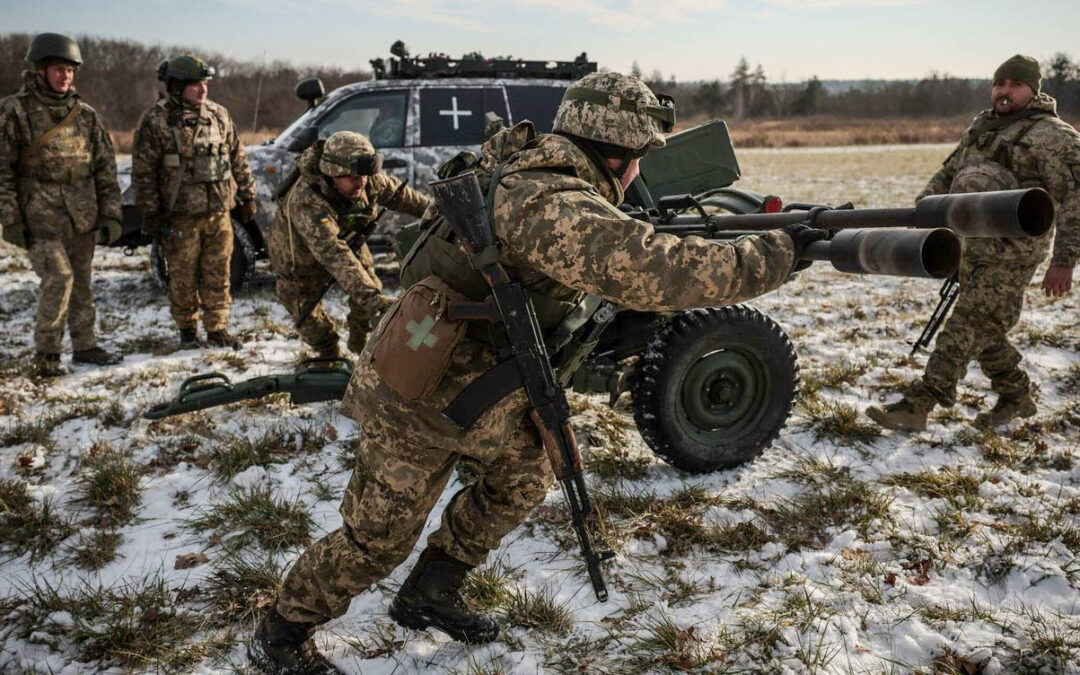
(1040, 151)
(308, 233)
(555, 215)
(188, 163)
(70, 179)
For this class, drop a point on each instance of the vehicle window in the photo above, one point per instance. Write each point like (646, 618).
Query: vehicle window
(536, 104)
(455, 116)
(378, 115)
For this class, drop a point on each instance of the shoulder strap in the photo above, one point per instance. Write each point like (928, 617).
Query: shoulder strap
(26, 155)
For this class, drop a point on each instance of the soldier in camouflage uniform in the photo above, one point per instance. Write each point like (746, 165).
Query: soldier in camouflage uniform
(555, 216)
(188, 170)
(1019, 143)
(335, 197)
(58, 195)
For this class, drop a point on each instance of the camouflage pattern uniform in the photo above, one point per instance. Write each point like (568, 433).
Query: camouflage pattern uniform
(1036, 149)
(188, 169)
(561, 235)
(58, 197)
(307, 244)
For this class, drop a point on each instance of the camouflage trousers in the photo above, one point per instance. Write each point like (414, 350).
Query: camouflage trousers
(65, 296)
(397, 481)
(198, 251)
(319, 331)
(987, 308)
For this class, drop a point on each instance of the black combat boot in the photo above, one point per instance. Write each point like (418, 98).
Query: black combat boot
(430, 598)
(283, 647)
(222, 338)
(189, 338)
(47, 364)
(96, 356)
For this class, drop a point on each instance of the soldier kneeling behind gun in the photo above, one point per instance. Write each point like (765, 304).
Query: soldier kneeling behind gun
(333, 200)
(552, 201)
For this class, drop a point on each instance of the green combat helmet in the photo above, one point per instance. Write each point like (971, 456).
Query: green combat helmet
(617, 110)
(184, 68)
(347, 153)
(47, 47)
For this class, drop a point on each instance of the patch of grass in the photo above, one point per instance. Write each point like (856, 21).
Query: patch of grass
(239, 453)
(488, 587)
(812, 470)
(111, 484)
(36, 431)
(1069, 383)
(256, 515)
(92, 552)
(241, 587)
(664, 643)
(616, 462)
(158, 345)
(539, 609)
(949, 483)
(27, 526)
(838, 421)
(738, 538)
(804, 521)
(839, 374)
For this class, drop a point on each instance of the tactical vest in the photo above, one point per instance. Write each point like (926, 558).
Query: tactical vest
(196, 157)
(997, 145)
(66, 156)
(437, 253)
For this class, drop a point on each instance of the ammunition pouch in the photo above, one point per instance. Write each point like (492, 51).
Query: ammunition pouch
(412, 346)
(211, 168)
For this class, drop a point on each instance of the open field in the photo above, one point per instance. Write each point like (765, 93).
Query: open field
(148, 546)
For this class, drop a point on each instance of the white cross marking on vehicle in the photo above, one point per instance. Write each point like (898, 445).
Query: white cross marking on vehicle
(455, 113)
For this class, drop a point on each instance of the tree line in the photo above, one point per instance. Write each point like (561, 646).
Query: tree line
(119, 79)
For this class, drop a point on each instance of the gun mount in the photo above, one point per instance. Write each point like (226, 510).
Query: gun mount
(402, 66)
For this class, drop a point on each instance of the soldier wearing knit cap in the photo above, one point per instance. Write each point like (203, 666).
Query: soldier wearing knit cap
(1018, 143)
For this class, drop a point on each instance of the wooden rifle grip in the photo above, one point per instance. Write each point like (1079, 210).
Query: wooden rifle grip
(551, 446)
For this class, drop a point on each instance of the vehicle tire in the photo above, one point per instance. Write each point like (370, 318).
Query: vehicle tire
(715, 387)
(241, 265)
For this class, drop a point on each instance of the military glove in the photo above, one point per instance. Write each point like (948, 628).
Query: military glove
(801, 237)
(151, 224)
(247, 211)
(108, 230)
(15, 233)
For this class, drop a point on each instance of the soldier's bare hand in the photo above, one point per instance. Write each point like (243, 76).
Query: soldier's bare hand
(1058, 281)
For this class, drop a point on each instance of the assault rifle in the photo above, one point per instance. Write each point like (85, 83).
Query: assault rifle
(948, 294)
(462, 204)
(355, 239)
(920, 241)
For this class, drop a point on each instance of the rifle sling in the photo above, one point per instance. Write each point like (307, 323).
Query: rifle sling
(39, 142)
(484, 393)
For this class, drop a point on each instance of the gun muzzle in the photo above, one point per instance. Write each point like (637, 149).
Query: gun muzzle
(928, 254)
(1008, 213)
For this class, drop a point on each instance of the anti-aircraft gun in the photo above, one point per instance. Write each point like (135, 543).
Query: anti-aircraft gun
(712, 387)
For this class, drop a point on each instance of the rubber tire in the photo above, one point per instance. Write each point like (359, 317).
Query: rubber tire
(740, 336)
(241, 265)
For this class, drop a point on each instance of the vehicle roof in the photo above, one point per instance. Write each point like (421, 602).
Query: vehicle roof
(347, 90)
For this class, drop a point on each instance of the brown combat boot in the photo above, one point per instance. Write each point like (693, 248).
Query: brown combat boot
(47, 364)
(431, 597)
(222, 338)
(903, 415)
(283, 647)
(96, 356)
(1005, 410)
(189, 339)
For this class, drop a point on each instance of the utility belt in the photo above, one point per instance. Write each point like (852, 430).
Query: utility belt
(413, 346)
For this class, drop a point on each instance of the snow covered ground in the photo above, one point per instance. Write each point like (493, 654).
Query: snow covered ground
(135, 545)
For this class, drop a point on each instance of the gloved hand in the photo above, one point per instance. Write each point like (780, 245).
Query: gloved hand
(15, 233)
(108, 230)
(247, 211)
(802, 236)
(151, 224)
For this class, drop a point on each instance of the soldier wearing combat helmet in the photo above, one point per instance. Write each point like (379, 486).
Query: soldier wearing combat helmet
(561, 236)
(58, 195)
(189, 171)
(339, 188)
(1019, 142)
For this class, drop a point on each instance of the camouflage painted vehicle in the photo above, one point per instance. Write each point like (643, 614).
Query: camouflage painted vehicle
(419, 113)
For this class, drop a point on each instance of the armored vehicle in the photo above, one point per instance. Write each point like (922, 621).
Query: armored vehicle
(418, 111)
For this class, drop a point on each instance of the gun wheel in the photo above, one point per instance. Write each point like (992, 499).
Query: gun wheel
(715, 387)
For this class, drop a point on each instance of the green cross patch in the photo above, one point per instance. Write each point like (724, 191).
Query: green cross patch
(421, 334)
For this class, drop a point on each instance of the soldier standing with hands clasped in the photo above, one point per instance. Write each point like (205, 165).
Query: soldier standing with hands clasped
(58, 195)
(188, 171)
(561, 236)
(335, 197)
(1020, 142)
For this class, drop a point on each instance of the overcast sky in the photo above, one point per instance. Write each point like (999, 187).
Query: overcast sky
(692, 39)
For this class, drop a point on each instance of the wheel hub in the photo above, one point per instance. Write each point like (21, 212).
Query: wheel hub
(723, 392)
